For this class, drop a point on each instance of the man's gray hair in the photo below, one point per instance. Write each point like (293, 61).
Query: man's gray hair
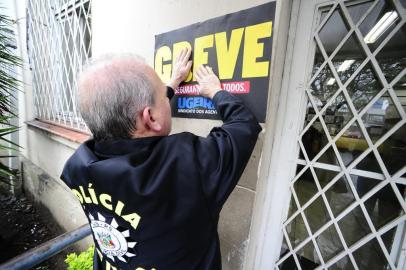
(112, 89)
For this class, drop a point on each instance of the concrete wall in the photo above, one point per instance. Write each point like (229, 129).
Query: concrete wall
(52, 194)
(130, 26)
(41, 171)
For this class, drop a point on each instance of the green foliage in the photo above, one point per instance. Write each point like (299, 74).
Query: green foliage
(82, 262)
(9, 84)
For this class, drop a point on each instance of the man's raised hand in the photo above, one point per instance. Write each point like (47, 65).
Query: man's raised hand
(209, 83)
(181, 68)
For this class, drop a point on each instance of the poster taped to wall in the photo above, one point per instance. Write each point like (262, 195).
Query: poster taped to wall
(237, 46)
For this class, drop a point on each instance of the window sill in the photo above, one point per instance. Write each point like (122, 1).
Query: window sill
(66, 133)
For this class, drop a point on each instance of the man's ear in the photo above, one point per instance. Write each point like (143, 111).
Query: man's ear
(150, 121)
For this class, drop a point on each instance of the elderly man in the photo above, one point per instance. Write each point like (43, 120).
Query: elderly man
(152, 199)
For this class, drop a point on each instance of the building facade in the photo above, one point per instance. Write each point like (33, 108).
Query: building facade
(325, 186)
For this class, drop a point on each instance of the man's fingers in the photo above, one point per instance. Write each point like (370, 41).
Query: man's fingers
(209, 70)
(203, 70)
(197, 76)
(189, 65)
(199, 87)
(184, 54)
(180, 56)
(199, 73)
(187, 55)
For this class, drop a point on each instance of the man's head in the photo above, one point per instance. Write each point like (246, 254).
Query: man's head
(122, 97)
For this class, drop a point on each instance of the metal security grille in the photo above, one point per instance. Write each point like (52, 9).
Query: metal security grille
(348, 203)
(59, 42)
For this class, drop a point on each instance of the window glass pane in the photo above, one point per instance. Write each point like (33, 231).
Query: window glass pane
(296, 231)
(354, 226)
(288, 264)
(383, 206)
(349, 58)
(370, 256)
(392, 57)
(323, 87)
(364, 87)
(343, 264)
(308, 257)
(329, 243)
(316, 214)
(333, 31)
(381, 117)
(339, 196)
(351, 144)
(305, 187)
(393, 151)
(357, 10)
(379, 23)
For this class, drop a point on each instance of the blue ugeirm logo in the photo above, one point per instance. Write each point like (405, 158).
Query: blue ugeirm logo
(195, 102)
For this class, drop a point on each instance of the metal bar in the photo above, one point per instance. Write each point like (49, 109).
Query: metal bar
(46, 250)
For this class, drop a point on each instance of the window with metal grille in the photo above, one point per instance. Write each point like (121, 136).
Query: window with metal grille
(59, 43)
(347, 209)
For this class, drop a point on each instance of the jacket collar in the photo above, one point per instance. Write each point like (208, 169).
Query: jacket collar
(119, 147)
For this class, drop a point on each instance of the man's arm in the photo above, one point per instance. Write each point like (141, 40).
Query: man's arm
(224, 154)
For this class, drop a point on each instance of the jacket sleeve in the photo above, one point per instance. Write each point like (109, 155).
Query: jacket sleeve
(224, 153)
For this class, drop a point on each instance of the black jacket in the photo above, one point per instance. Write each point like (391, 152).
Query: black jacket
(154, 203)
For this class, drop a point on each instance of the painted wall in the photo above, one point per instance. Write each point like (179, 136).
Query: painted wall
(130, 26)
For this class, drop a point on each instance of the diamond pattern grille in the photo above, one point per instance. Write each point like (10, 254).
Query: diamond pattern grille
(348, 195)
(59, 43)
